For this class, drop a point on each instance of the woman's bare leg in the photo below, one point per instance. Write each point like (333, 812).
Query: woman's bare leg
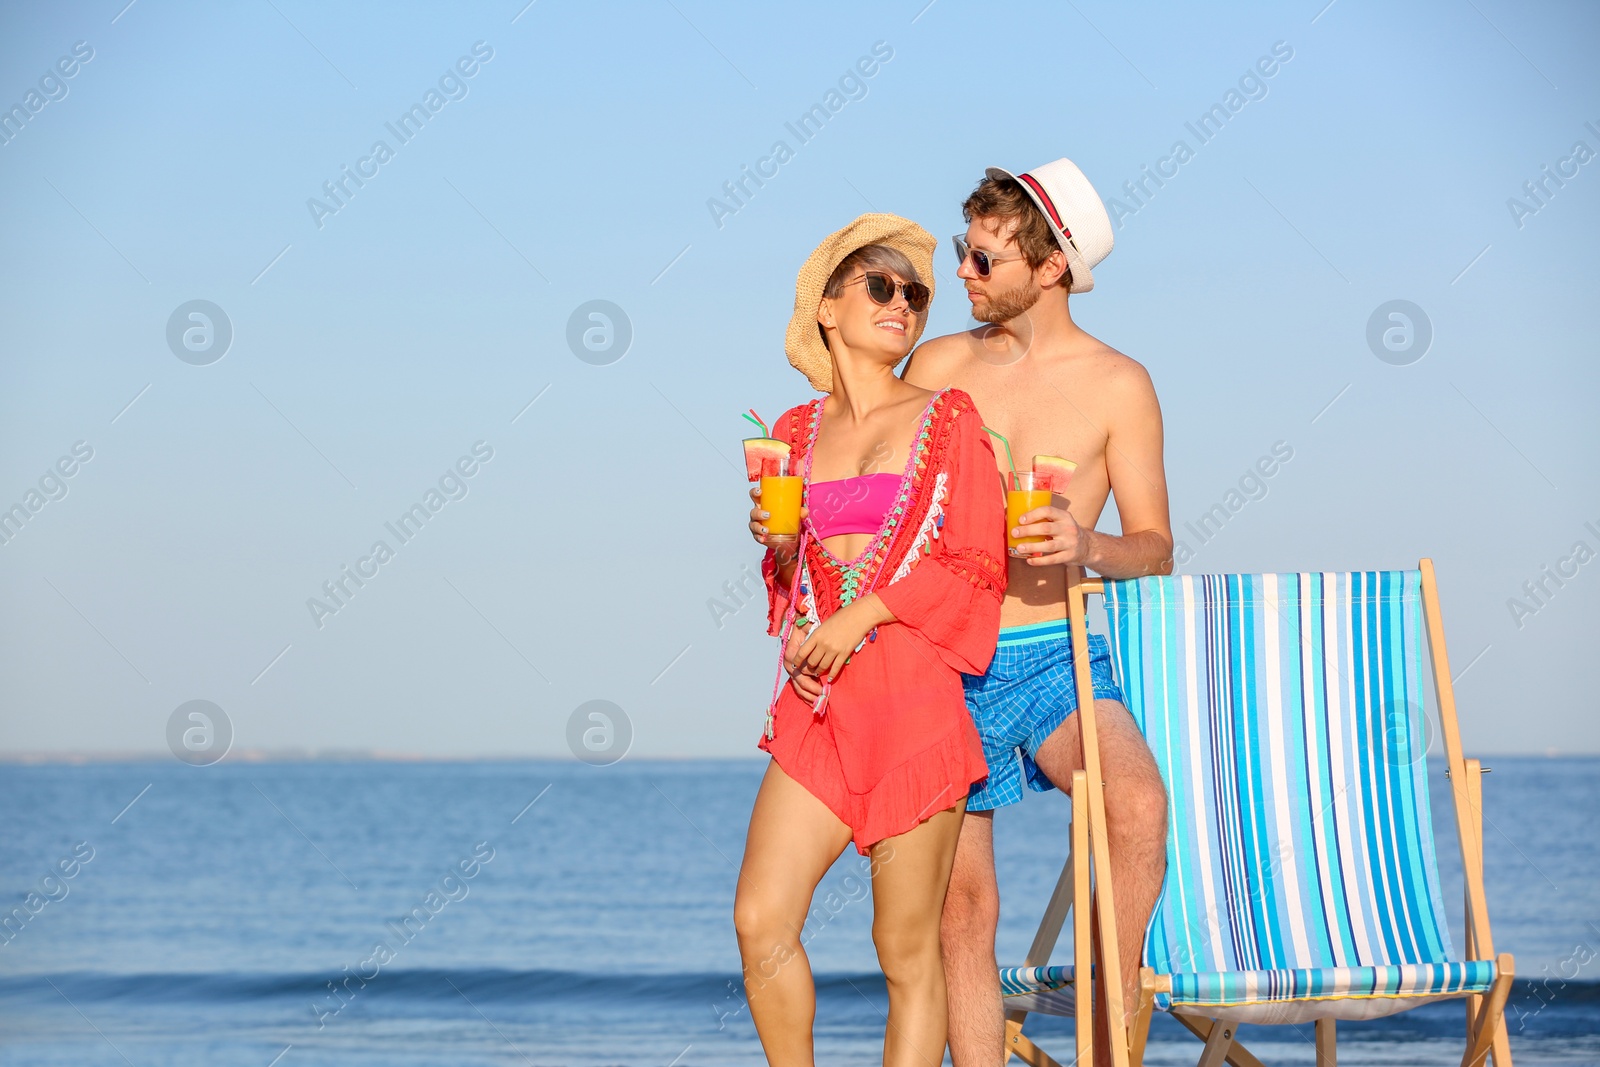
(792, 842)
(910, 874)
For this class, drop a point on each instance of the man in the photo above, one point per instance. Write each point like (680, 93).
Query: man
(1051, 389)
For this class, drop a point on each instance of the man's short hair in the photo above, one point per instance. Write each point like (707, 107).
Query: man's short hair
(1004, 199)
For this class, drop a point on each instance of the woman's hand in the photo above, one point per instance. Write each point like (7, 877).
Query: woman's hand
(806, 685)
(759, 531)
(825, 648)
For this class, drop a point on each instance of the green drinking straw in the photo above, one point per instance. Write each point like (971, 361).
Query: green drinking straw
(1003, 441)
(758, 423)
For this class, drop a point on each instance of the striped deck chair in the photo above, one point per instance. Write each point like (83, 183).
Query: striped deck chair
(1285, 712)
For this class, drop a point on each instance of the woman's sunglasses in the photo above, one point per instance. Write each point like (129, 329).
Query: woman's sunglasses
(881, 287)
(982, 261)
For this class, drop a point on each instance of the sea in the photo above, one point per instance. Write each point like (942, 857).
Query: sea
(556, 913)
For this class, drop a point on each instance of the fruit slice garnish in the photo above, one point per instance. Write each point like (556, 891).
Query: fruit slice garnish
(1057, 472)
(761, 456)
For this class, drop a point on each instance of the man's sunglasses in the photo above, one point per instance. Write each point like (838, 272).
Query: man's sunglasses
(881, 288)
(982, 261)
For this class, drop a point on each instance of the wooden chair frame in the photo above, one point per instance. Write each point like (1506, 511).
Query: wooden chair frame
(1086, 877)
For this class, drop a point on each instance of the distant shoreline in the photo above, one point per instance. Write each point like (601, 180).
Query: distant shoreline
(292, 755)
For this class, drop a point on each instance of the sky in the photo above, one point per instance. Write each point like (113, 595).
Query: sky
(256, 340)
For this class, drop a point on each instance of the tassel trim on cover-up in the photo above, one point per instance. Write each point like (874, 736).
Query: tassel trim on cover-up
(928, 532)
(890, 536)
(800, 584)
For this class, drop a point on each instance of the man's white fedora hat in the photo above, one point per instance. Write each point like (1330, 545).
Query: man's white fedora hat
(1074, 211)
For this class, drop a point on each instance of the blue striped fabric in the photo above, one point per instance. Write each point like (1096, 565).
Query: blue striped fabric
(1018, 981)
(1256, 987)
(1395, 980)
(1285, 713)
(1042, 989)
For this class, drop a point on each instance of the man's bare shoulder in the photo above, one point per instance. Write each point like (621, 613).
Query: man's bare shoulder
(936, 362)
(1115, 372)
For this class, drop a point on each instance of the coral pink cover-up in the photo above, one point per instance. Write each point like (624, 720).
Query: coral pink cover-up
(894, 743)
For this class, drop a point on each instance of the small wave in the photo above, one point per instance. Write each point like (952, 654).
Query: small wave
(553, 987)
(481, 983)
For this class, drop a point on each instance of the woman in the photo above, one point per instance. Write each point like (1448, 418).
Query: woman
(893, 589)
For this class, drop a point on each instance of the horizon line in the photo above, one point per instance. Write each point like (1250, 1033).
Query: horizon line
(296, 754)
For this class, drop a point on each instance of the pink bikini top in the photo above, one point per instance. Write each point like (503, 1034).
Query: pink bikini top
(851, 505)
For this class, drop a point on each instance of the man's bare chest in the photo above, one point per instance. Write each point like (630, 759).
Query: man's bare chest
(1040, 416)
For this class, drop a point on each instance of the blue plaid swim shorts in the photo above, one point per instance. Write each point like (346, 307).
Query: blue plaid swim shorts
(1027, 692)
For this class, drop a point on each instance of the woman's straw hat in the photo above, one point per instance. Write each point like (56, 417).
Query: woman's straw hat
(803, 342)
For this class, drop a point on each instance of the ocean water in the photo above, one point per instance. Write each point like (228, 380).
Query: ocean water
(579, 915)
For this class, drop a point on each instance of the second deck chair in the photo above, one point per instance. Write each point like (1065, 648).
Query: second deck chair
(1285, 714)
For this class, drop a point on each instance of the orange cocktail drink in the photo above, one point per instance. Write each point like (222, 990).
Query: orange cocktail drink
(1022, 496)
(780, 499)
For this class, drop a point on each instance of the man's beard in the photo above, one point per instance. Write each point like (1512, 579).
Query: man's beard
(1007, 305)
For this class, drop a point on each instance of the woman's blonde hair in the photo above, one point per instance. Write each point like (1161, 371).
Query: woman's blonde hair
(870, 257)
(867, 257)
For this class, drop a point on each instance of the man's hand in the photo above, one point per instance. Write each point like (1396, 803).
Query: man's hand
(1066, 541)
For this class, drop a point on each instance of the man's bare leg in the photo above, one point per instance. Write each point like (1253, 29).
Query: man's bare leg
(1136, 824)
(967, 931)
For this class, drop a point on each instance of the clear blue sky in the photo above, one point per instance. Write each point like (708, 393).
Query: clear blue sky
(575, 163)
